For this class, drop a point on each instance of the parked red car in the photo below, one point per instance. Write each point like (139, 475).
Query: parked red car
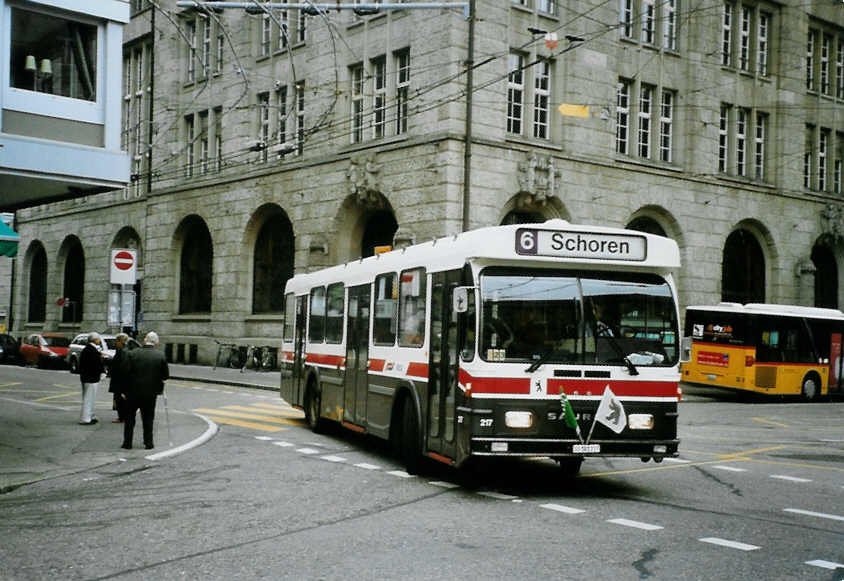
(44, 350)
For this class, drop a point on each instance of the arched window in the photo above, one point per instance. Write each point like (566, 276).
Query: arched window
(517, 217)
(37, 306)
(273, 264)
(195, 267)
(646, 225)
(743, 269)
(380, 229)
(826, 277)
(74, 283)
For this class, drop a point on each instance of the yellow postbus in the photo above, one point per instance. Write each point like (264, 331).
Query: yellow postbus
(765, 348)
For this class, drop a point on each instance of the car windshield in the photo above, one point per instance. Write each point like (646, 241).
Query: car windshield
(577, 318)
(56, 341)
(110, 343)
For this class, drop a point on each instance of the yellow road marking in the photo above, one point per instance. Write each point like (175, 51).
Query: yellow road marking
(740, 455)
(771, 422)
(62, 386)
(280, 406)
(57, 396)
(4, 385)
(283, 413)
(271, 419)
(242, 424)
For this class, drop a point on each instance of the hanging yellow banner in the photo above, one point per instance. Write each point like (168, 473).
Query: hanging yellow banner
(573, 110)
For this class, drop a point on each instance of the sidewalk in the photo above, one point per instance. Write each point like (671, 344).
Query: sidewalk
(269, 380)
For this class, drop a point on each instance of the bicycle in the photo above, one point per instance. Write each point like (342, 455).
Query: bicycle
(252, 359)
(269, 357)
(232, 355)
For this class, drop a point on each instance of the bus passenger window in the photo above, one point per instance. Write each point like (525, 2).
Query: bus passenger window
(386, 309)
(468, 351)
(289, 316)
(412, 291)
(316, 327)
(334, 316)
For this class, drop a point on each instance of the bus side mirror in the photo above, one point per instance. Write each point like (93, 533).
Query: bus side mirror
(686, 350)
(460, 299)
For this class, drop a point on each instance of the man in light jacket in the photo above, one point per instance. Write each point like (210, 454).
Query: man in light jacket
(91, 369)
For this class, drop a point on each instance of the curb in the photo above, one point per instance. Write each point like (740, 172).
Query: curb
(225, 382)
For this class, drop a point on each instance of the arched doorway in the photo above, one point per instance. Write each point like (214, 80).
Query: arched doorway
(743, 269)
(272, 263)
(37, 303)
(195, 266)
(647, 225)
(522, 217)
(74, 280)
(826, 277)
(379, 230)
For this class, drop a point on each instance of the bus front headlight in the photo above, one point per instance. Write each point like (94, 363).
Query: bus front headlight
(514, 419)
(640, 421)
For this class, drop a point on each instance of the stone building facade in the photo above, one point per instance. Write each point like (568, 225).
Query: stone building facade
(267, 144)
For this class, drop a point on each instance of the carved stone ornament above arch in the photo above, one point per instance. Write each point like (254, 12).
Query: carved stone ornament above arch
(832, 222)
(539, 180)
(364, 180)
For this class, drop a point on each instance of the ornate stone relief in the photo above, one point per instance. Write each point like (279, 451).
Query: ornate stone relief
(832, 221)
(363, 178)
(538, 179)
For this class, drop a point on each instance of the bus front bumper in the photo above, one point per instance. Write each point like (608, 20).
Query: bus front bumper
(646, 448)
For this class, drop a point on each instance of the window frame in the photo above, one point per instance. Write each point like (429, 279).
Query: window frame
(316, 333)
(515, 93)
(421, 306)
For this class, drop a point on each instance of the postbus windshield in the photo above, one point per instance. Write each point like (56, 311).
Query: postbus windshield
(577, 318)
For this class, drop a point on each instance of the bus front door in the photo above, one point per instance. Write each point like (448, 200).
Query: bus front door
(298, 378)
(442, 365)
(357, 356)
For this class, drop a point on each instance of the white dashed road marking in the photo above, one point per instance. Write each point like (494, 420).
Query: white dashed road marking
(730, 468)
(497, 495)
(366, 466)
(677, 460)
(561, 508)
(811, 513)
(333, 458)
(283, 444)
(635, 524)
(400, 474)
(790, 478)
(729, 544)
(442, 484)
(263, 438)
(307, 451)
(825, 564)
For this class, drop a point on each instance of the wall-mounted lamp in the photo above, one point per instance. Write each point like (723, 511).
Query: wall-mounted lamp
(38, 73)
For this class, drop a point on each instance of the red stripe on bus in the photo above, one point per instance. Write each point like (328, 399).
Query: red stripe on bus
(416, 369)
(620, 388)
(514, 385)
(287, 355)
(323, 359)
(721, 345)
(440, 458)
(377, 364)
(354, 427)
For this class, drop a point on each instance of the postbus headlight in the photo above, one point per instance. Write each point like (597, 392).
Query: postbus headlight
(513, 419)
(640, 421)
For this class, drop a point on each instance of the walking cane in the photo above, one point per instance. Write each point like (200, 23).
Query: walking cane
(167, 417)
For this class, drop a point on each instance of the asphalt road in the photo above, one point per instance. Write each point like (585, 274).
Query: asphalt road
(757, 493)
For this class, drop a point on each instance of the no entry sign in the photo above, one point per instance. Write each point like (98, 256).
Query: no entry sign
(123, 266)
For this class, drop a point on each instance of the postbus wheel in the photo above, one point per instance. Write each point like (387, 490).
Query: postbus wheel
(409, 442)
(570, 465)
(312, 409)
(811, 387)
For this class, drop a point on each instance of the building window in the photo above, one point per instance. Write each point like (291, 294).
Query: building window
(645, 111)
(218, 138)
(741, 141)
(190, 33)
(41, 61)
(744, 39)
(266, 34)
(762, 44)
(272, 264)
(626, 18)
(836, 165)
(839, 70)
(666, 116)
(541, 98)
(379, 91)
(548, 6)
(189, 138)
(357, 103)
(37, 304)
(515, 93)
(826, 41)
(264, 123)
(726, 34)
(807, 157)
(760, 141)
(74, 282)
(622, 117)
(195, 266)
(647, 18)
(669, 24)
(300, 117)
(284, 29)
(823, 148)
(204, 152)
(810, 60)
(281, 117)
(723, 138)
(301, 26)
(402, 59)
(206, 47)
(221, 45)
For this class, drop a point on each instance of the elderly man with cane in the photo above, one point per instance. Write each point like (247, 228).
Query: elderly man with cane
(147, 371)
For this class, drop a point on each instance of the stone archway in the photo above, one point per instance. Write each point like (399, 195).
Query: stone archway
(826, 276)
(73, 282)
(743, 268)
(195, 256)
(35, 262)
(271, 242)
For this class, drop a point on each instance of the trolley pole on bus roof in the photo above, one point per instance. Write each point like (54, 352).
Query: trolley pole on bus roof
(315, 9)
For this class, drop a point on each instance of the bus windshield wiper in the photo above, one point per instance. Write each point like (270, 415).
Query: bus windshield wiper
(542, 360)
(605, 332)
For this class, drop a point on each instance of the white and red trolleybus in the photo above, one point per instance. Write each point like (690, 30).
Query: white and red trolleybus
(479, 343)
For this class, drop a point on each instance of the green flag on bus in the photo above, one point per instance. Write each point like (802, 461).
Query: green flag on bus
(568, 414)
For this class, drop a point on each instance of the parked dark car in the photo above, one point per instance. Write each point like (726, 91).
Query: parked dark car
(9, 349)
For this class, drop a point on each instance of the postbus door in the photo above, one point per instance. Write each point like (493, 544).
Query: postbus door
(298, 378)
(442, 365)
(357, 356)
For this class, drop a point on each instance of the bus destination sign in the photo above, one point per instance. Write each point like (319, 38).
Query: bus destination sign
(565, 244)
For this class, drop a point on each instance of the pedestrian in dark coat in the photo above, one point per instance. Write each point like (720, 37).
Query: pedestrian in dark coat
(118, 374)
(147, 371)
(91, 370)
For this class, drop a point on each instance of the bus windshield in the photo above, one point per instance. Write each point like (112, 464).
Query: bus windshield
(577, 318)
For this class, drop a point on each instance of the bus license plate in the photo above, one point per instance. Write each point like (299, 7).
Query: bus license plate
(586, 449)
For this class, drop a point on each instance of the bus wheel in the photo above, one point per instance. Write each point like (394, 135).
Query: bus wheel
(312, 410)
(409, 442)
(810, 388)
(570, 465)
